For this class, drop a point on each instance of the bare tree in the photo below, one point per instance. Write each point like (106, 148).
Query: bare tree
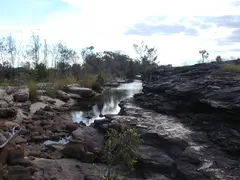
(3, 49)
(19, 52)
(45, 53)
(33, 50)
(11, 49)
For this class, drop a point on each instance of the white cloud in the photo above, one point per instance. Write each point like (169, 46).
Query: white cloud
(103, 23)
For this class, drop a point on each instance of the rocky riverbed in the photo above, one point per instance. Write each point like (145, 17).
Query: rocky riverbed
(187, 118)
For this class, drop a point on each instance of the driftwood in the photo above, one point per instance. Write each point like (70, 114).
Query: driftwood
(15, 131)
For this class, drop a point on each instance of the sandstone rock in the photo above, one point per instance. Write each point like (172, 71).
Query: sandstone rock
(63, 169)
(88, 136)
(71, 126)
(46, 99)
(88, 157)
(62, 95)
(157, 159)
(7, 112)
(76, 151)
(75, 96)
(14, 156)
(18, 173)
(83, 92)
(2, 138)
(21, 96)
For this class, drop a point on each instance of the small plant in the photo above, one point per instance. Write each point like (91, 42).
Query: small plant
(32, 91)
(119, 150)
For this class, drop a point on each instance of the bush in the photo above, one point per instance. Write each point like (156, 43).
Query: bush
(32, 91)
(231, 68)
(97, 87)
(119, 150)
(87, 81)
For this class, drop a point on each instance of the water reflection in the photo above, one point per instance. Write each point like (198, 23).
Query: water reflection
(108, 103)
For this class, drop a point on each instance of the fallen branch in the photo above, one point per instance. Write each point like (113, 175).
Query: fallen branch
(13, 134)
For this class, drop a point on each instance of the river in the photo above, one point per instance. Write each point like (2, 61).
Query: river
(108, 103)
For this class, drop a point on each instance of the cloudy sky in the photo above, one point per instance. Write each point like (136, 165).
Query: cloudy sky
(179, 29)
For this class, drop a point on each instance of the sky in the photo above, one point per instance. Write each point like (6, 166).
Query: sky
(178, 29)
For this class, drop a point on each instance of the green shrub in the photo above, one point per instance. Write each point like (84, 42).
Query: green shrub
(231, 68)
(32, 91)
(87, 81)
(119, 150)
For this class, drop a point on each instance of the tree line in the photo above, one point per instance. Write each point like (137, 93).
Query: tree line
(40, 58)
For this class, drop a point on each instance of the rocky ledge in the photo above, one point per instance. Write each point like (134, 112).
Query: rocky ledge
(204, 98)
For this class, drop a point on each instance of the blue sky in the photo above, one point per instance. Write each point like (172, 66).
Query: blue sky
(179, 29)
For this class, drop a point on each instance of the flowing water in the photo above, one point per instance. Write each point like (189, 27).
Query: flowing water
(108, 104)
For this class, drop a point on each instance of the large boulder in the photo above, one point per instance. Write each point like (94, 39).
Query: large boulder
(89, 137)
(21, 96)
(82, 91)
(76, 151)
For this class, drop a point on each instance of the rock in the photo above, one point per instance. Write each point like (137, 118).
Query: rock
(62, 95)
(75, 96)
(88, 157)
(83, 92)
(2, 138)
(46, 99)
(14, 156)
(11, 89)
(41, 92)
(71, 126)
(3, 104)
(76, 151)
(157, 159)
(21, 96)
(89, 137)
(8, 112)
(62, 169)
(18, 173)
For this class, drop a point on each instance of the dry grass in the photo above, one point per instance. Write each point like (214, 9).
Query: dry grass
(231, 68)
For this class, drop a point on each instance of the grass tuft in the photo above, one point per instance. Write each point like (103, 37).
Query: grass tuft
(32, 91)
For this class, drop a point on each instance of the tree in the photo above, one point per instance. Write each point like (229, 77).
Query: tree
(204, 55)
(119, 149)
(19, 52)
(33, 50)
(66, 55)
(3, 49)
(11, 48)
(219, 58)
(148, 56)
(45, 52)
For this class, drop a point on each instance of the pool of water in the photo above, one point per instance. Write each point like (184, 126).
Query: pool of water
(108, 103)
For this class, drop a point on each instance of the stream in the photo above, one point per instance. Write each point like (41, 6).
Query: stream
(108, 103)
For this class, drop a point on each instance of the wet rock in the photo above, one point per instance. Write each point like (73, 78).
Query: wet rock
(88, 136)
(76, 151)
(3, 104)
(62, 95)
